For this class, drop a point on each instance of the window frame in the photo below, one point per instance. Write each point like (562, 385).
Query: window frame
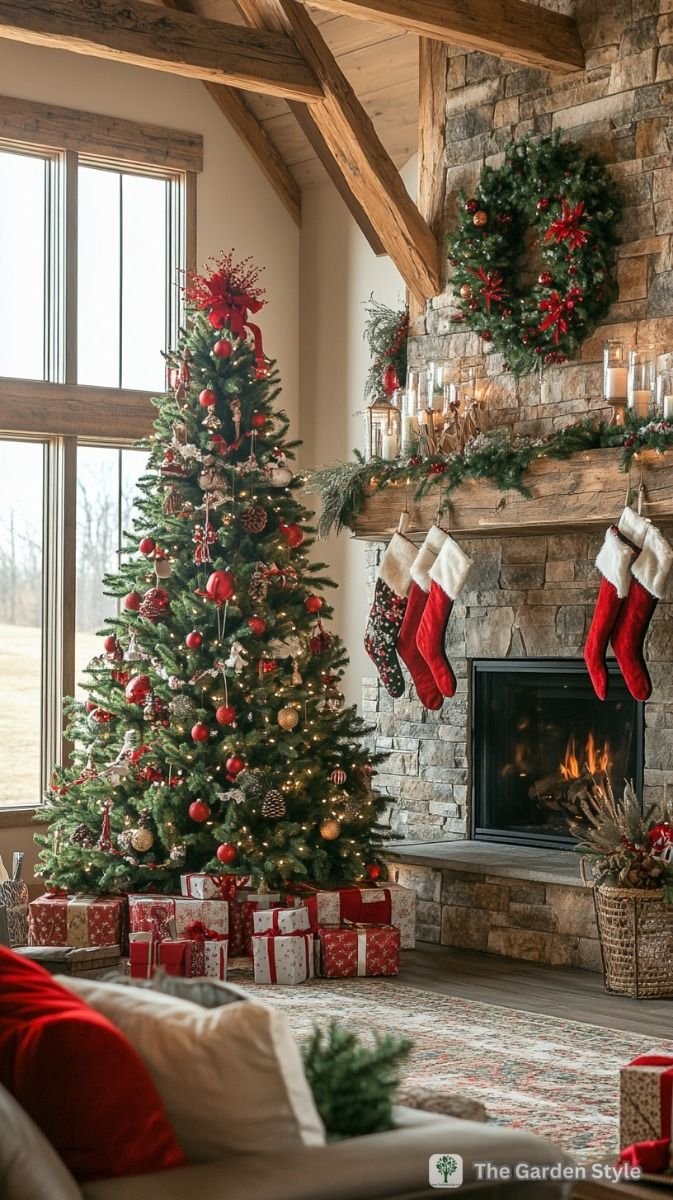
(61, 414)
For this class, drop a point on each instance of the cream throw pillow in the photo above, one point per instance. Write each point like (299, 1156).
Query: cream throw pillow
(231, 1078)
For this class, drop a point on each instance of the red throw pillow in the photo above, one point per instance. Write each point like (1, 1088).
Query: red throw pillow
(79, 1078)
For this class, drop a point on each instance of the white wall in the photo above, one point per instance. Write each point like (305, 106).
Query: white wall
(236, 206)
(339, 272)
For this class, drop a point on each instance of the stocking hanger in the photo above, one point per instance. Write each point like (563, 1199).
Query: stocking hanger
(641, 489)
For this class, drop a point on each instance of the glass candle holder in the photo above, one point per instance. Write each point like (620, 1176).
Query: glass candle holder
(377, 421)
(615, 373)
(665, 393)
(409, 423)
(641, 383)
(391, 438)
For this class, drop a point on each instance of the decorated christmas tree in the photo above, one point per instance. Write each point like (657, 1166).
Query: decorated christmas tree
(215, 734)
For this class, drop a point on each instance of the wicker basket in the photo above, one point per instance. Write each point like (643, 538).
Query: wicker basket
(635, 927)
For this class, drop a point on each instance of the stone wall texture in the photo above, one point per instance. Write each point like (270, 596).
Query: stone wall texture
(534, 596)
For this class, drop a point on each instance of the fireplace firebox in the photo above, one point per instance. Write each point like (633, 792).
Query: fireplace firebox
(538, 732)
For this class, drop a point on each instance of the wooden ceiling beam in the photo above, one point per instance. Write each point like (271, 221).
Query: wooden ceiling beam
(251, 131)
(352, 141)
(510, 29)
(145, 35)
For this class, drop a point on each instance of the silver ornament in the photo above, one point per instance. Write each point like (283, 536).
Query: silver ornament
(182, 707)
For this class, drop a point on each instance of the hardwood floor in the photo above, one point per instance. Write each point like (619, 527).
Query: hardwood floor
(558, 991)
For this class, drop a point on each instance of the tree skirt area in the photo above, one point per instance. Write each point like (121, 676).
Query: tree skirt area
(554, 1077)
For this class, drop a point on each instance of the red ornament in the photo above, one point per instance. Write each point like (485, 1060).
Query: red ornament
(147, 546)
(220, 586)
(207, 398)
(217, 319)
(373, 871)
(226, 853)
(471, 206)
(268, 665)
(225, 714)
(321, 640)
(155, 604)
(546, 278)
(257, 625)
(235, 764)
(90, 705)
(194, 640)
(200, 732)
(293, 534)
(543, 204)
(313, 603)
(258, 420)
(138, 689)
(121, 677)
(133, 601)
(486, 335)
(199, 811)
(110, 644)
(222, 348)
(100, 715)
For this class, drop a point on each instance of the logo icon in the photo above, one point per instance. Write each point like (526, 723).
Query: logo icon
(445, 1170)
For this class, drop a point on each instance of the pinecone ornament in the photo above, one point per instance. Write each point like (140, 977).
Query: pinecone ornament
(273, 805)
(84, 837)
(254, 519)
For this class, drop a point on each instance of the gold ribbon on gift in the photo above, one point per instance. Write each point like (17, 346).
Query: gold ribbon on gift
(77, 922)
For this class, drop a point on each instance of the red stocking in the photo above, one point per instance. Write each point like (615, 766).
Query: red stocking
(614, 562)
(650, 573)
(424, 681)
(447, 575)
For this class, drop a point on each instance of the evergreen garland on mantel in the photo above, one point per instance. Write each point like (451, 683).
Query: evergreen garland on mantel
(495, 456)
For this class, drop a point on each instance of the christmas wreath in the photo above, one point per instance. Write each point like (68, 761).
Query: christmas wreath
(386, 331)
(550, 202)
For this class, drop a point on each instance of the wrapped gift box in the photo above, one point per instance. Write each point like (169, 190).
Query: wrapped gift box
(285, 958)
(210, 950)
(153, 914)
(402, 912)
(251, 903)
(141, 955)
(72, 960)
(281, 920)
(345, 951)
(334, 906)
(176, 957)
(200, 886)
(14, 899)
(646, 1111)
(77, 921)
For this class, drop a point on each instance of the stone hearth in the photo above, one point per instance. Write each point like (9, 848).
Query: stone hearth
(511, 900)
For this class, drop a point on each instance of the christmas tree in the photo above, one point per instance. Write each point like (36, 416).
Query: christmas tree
(215, 733)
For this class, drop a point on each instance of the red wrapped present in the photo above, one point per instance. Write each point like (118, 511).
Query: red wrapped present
(646, 1113)
(285, 958)
(141, 955)
(210, 950)
(153, 914)
(58, 920)
(175, 957)
(200, 886)
(334, 906)
(349, 950)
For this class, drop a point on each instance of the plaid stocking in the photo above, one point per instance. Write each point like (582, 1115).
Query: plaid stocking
(387, 612)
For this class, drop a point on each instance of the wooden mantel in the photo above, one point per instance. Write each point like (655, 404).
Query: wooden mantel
(585, 491)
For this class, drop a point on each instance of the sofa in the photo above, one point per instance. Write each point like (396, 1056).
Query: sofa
(385, 1165)
(233, 1089)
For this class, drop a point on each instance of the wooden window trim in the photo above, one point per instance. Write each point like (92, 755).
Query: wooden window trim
(49, 126)
(33, 407)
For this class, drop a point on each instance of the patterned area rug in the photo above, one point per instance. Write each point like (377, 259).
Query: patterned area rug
(554, 1077)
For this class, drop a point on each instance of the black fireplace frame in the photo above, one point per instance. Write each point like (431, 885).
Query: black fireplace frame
(551, 665)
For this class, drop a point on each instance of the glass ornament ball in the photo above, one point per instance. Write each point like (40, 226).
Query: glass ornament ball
(330, 829)
(194, 640)
(226, 853)
(200, 732)
(225, 714)
(288, 718)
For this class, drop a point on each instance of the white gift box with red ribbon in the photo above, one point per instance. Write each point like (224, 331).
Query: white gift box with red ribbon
(285, 958)
(281, 920)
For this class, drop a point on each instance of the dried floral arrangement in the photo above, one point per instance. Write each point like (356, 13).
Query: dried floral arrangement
(624, 844)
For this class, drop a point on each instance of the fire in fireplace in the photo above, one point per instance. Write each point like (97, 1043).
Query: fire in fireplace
(539, 734)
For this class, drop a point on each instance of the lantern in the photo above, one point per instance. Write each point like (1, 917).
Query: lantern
(382, 430)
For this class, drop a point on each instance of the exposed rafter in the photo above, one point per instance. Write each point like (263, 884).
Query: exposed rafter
(145, 35)
(511, 29)
(252, 132)
(364, 163)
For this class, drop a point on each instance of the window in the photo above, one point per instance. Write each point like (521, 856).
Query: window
(107, 480)
(97, 220)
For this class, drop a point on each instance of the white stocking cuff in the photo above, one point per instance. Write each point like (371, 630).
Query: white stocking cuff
(420, 571)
